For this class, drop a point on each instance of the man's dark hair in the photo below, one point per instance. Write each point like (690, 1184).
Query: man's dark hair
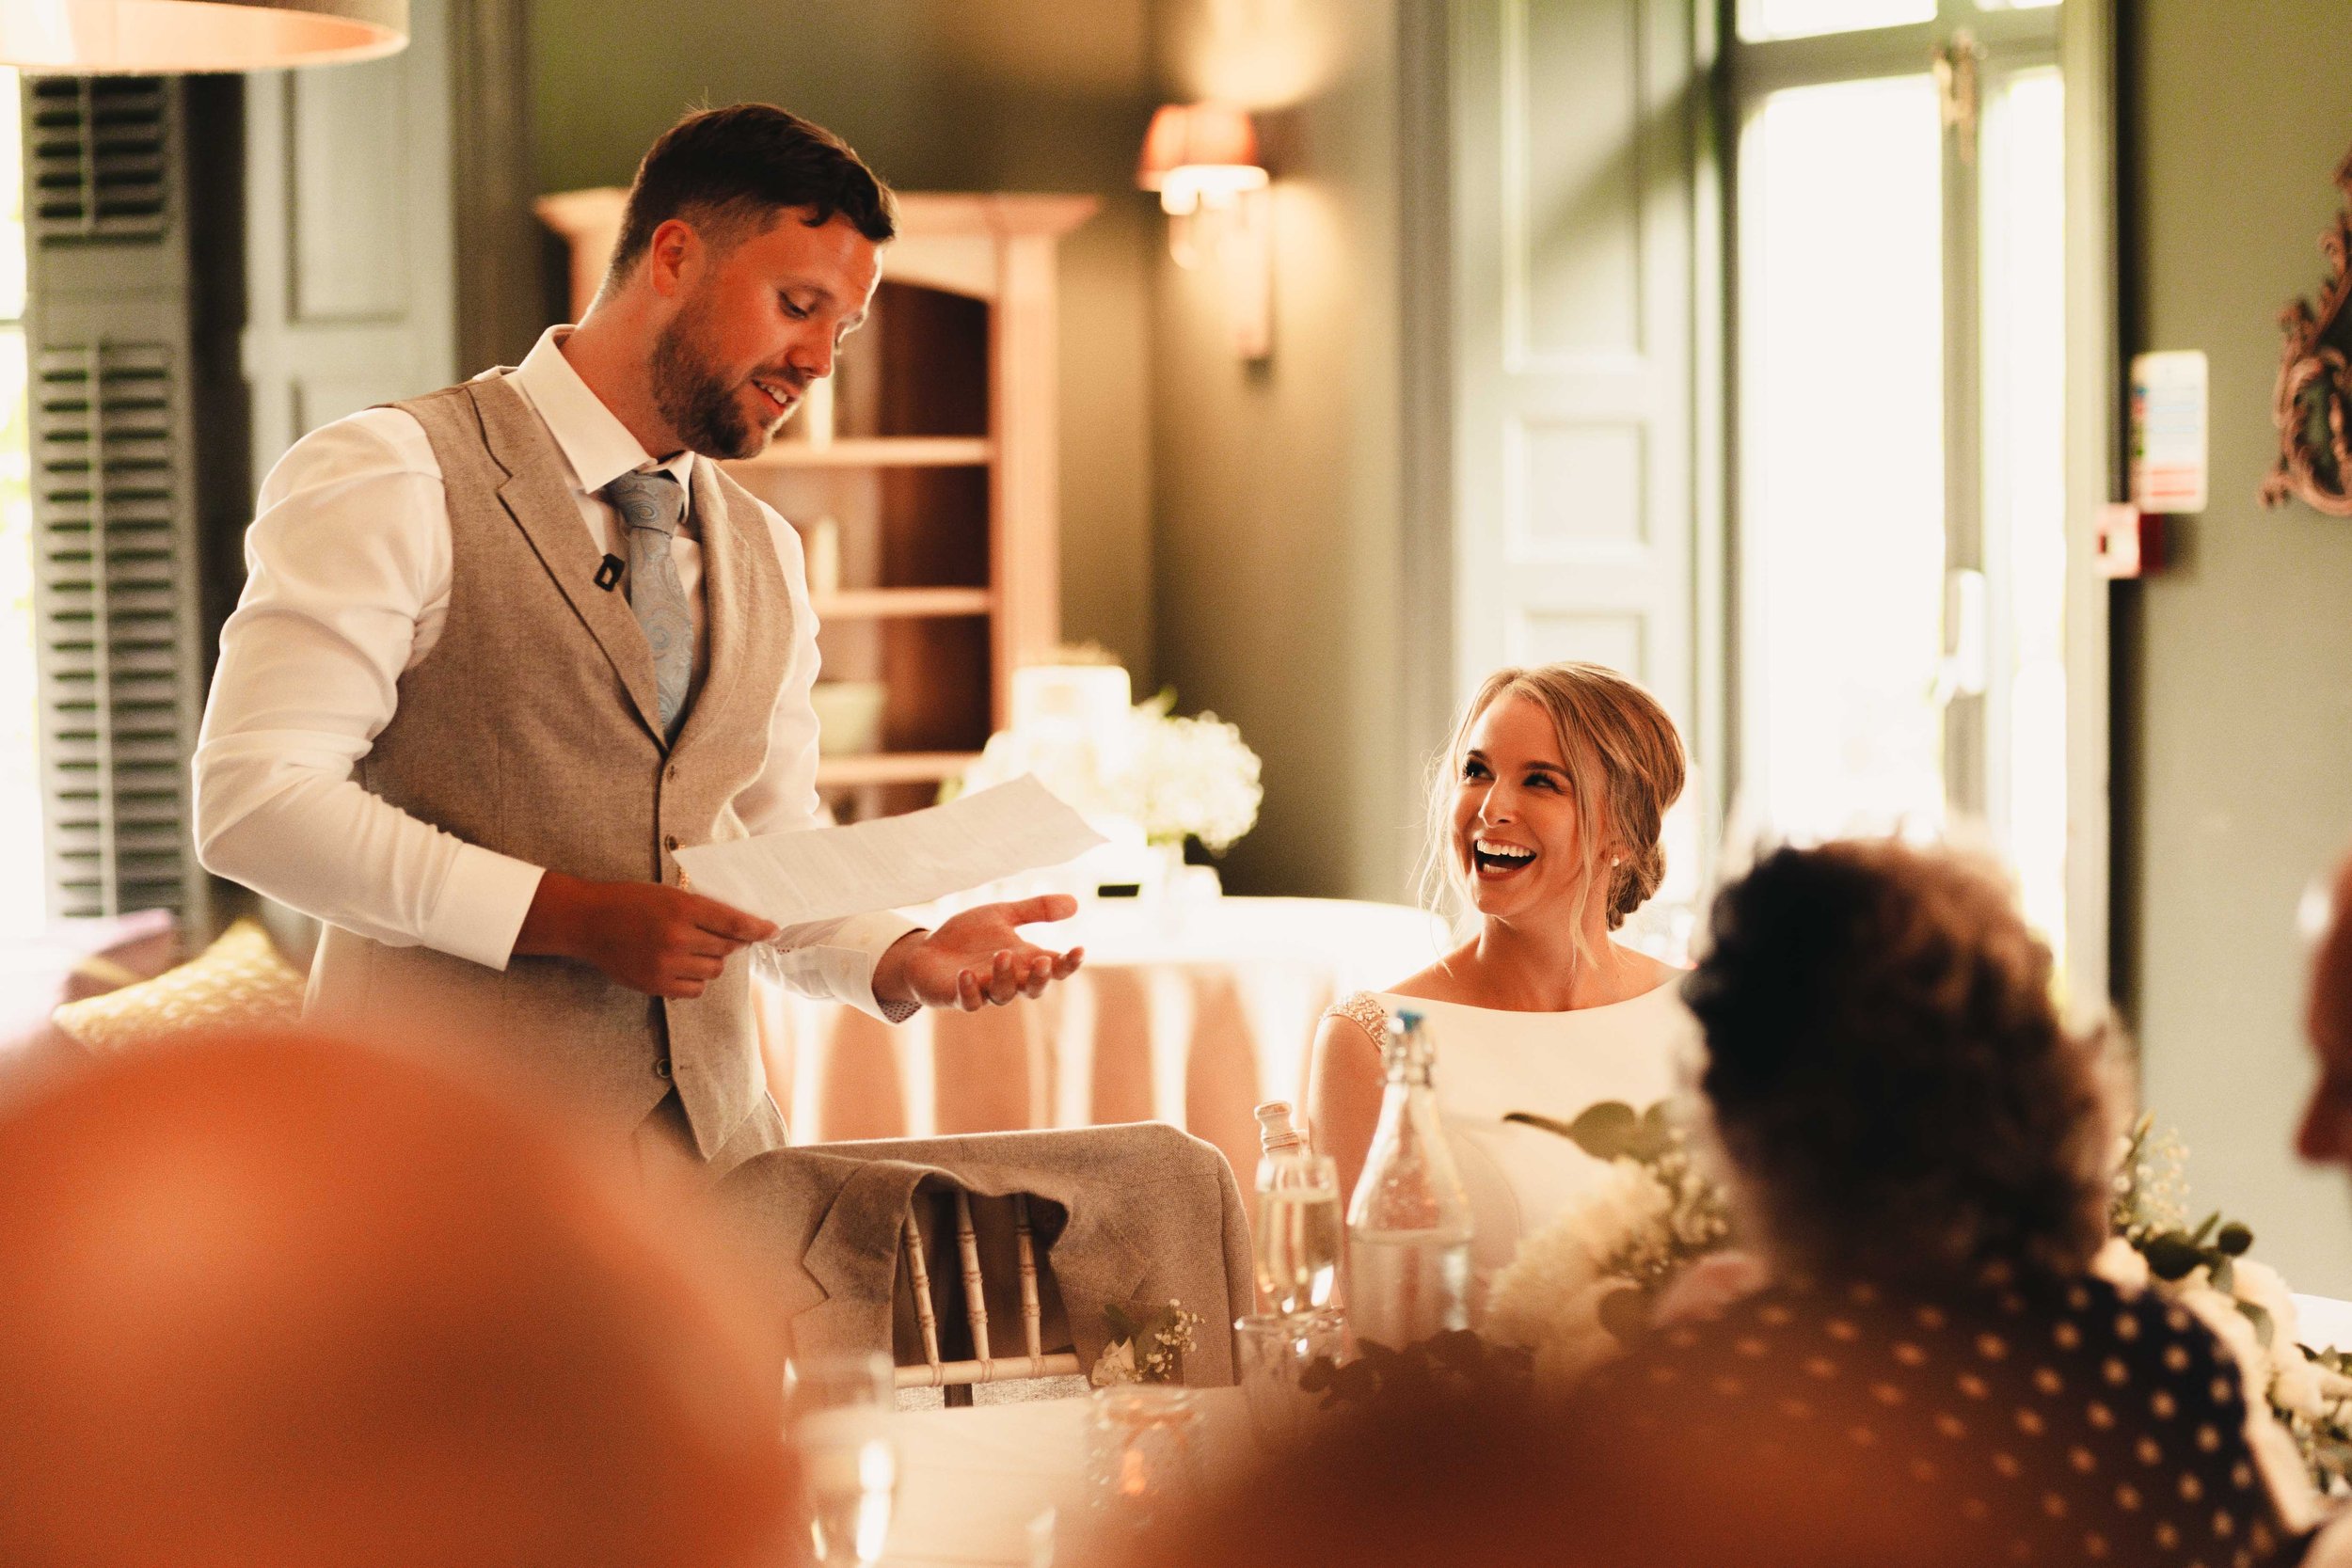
(729, 171)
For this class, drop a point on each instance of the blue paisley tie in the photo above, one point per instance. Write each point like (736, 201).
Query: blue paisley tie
(653, 505)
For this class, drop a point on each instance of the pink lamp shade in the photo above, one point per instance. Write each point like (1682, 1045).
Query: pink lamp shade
(95, 38)
(1200, 154)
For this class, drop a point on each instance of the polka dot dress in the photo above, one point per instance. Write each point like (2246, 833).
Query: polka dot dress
(2058, 1421)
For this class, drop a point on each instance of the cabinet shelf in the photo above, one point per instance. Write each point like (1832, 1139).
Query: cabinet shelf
(886, 767)
(886, 604)
(878, 451)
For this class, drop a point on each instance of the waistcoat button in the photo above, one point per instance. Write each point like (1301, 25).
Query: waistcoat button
(661, 1067)
(669, 840)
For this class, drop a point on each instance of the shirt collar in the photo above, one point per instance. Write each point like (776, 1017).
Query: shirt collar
(590, 436)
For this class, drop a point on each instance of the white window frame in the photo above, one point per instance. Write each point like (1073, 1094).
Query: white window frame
(2078, 36)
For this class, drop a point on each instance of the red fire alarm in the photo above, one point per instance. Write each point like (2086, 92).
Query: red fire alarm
(2131, 542)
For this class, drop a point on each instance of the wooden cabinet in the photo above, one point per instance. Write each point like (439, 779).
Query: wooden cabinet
(926, 472)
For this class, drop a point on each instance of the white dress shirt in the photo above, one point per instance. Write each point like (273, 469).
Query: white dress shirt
(347, 586)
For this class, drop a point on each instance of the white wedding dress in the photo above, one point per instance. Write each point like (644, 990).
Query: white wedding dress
(1490, 1062)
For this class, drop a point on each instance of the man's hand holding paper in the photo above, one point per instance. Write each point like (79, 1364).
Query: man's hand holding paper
(659, 939)
(977, 958)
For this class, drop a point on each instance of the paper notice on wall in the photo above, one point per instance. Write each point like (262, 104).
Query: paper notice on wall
(827, 872)
(2169, 431)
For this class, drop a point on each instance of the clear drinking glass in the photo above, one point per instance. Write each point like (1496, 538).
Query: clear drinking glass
(1143, 1454)
(1275, 1350)
(837, 1409)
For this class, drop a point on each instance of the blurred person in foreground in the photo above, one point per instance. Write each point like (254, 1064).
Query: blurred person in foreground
(278, 1301)
(1510, 1485)
(1918, 1147)
(2325, 1136)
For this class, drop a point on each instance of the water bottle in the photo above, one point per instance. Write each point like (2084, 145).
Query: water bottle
(1299, 1229)
(1408, 1223)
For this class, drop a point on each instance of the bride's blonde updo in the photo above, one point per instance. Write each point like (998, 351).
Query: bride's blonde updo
(1625, 769)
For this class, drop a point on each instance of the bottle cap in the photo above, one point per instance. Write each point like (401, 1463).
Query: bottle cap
(1274, 1129)
(1407, 1048)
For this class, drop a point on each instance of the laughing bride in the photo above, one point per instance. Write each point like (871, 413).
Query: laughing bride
(1544, 820)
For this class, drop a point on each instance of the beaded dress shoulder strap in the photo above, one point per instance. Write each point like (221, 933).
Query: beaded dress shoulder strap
(1362, 1009)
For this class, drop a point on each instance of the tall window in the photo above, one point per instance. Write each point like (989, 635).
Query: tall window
(1898, 256)
(22, 878)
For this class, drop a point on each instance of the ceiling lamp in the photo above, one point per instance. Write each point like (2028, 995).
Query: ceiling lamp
(100, 37)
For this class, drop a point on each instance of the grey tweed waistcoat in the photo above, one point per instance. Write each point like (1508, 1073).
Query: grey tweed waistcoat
(531, 729)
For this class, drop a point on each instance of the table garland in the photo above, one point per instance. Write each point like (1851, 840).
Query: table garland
(1581, 1289)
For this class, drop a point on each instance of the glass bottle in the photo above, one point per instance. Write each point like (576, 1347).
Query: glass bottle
(1408, 1223)
(1300, 1231)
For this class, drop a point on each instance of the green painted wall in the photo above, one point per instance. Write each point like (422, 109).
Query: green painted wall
(1279, 484)
(2235, 666)
(937, 95)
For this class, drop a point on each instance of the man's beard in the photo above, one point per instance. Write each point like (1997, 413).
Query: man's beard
(699, 404)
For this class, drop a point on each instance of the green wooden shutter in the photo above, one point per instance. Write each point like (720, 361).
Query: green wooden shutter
(116, 583)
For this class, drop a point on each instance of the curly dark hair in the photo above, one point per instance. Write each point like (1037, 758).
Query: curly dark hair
(729, 169)
(1890, 1072)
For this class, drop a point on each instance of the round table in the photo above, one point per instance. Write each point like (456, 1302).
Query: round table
(1186, 1011)
(983, 1488)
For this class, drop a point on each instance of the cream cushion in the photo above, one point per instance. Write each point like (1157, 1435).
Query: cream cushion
(241, 981)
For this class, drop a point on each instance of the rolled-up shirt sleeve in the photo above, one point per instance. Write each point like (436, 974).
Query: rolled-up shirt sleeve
(347, 577)
(832, 959)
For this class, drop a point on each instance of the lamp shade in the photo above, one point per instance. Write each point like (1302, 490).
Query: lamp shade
(1191, 135)
(95, 38)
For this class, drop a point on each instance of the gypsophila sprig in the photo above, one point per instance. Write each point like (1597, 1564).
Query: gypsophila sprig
(2151, 1182)
(1147, 1350)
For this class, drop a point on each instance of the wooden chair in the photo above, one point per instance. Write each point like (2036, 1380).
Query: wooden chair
(987, 1257)
(982, 1365)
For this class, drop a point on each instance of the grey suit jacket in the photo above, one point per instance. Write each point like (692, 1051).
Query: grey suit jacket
(1127, 1216)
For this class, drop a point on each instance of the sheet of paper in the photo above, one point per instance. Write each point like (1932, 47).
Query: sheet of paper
(826, 873)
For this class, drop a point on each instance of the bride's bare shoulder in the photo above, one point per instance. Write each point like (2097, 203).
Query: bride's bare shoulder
(1442, 981)
(1648, 973)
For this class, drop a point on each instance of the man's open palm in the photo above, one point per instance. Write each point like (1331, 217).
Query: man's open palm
(978, 958)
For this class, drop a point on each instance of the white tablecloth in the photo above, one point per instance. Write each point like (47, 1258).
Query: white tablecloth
(2324, 1323)
(1190, 1013)
(972, 1483)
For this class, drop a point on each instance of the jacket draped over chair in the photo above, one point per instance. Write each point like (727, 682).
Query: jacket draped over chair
(1129, 1216)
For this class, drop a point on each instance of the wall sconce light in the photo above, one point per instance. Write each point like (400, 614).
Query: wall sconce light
(1202, 159)
(100, 37)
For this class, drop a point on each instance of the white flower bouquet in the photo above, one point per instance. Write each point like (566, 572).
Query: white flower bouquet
(1583, 1287)
(1190, 778)
(1174, 778)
